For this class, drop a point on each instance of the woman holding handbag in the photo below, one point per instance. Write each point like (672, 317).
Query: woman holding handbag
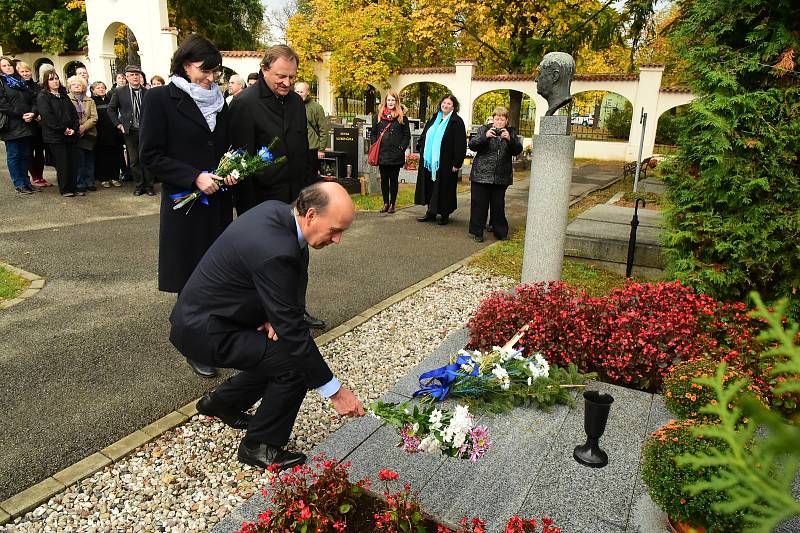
(392, 136)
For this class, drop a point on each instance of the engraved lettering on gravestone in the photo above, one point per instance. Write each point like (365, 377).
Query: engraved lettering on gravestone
(556, 72)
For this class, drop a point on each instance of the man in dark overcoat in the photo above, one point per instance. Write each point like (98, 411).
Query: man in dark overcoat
(268, 110)
(240, 309)
(125, 111)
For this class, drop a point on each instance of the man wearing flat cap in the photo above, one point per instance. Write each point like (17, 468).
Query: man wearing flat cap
(125, 111)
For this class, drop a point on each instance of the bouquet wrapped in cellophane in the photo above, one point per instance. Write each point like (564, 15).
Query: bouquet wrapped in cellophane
(237, 164)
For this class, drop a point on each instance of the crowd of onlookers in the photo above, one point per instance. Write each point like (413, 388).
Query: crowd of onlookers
(88, 132)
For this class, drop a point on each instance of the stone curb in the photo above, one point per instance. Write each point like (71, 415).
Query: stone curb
(36, 284)
(40, 493)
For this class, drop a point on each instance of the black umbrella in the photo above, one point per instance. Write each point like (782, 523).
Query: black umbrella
(632, 239)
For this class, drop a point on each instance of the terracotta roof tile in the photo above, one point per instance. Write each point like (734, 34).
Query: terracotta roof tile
(428, 70)
(242, 53)
(676, 89)
(652, 65)
(503, 77)
(607, 77)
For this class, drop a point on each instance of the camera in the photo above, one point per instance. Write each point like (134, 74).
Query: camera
(497, 131)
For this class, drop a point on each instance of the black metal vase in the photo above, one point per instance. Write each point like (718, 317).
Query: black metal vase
(595, 417)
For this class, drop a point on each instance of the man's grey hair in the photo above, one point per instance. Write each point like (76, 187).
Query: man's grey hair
(561, 61)
(277, 51)
(237, 79)
(312, 196)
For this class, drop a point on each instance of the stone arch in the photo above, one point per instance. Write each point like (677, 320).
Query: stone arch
(667, 130)
(481, 111)
(351, 102)
(600, 115)
(38, 64)
(419, 103)
(69, 68)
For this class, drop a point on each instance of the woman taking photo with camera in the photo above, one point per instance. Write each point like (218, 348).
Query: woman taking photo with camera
(494, 144)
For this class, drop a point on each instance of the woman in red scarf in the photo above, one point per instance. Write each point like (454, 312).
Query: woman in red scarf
(392, 152)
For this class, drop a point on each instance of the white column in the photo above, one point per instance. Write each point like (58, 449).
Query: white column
(647, 93)
(462, 89)
(322, 71)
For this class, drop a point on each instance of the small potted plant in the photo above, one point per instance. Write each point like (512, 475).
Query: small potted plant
(684, 398)
(412, 161)
(666, 481)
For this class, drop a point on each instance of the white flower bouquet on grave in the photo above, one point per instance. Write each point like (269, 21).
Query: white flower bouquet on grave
(500, 379)
(237, 164)
(434, 430)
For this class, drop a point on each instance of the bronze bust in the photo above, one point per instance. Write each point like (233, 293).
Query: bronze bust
(556, 72)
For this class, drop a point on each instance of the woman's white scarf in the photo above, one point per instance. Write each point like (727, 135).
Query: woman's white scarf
(209, 101)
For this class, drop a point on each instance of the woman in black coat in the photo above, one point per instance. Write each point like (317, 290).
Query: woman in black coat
(108, 148)
(442, 148)
(184, 133)
(36, 158)
(393, 125)
(18, 106)
(60, 124)
(494, 145)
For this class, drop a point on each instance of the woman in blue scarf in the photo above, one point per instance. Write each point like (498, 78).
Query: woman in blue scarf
(442, 148)
(17, 103)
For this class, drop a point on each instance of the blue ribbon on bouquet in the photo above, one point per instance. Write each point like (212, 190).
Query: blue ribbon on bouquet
(445, 376)
(178, 196)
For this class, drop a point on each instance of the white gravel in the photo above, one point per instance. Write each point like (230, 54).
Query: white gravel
(188, 479)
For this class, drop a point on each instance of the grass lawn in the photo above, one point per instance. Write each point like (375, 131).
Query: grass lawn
(10, 284)
(505, 257)
(405, 196)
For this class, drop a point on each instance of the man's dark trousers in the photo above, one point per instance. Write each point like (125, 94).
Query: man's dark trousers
(142, 180)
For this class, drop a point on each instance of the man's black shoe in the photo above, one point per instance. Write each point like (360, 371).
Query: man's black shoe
(427, 218)
(312, 322)
(264, 455)
(202, 370)
(444, 220)
(151, 192)
(138, 192)
(231, 417)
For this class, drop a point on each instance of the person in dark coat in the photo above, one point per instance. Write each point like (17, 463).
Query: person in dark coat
(392, 152)
(108, 148)
(125, 110)
(442, 148)
(240, 310)
(60, 126)
(267, 110)
(36, 158)
(494, 145)
(184, 134)
(18, 105)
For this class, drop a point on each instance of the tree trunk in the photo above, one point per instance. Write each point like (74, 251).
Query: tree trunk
(369, 95)
(514, 108)
(133, 49)
(423, 103)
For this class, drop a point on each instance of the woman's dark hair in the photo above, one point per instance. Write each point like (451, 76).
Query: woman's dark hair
(195, 48)
(51, 75)
(452, 98)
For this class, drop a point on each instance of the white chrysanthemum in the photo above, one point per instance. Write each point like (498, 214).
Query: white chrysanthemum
(435, 419)
(234, 174)
(415, 427)
(430, 444)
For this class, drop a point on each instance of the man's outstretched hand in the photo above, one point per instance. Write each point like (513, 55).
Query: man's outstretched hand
(346, 403)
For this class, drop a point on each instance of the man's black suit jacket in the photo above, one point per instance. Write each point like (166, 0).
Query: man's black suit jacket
(257, 117)
(250, 275)
(120, 107)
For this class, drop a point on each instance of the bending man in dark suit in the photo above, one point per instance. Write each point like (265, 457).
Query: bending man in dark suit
(268, 110)
(240, 309)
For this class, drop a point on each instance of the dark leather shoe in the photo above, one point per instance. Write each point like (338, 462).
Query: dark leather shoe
(209, 407)
(312, 322)
(391, 209)
(478, 238)
(427, 218)
(444, 220)
(265, 455)
(138, 192)
(202, 370)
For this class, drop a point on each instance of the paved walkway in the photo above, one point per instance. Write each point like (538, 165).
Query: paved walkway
(87, 360)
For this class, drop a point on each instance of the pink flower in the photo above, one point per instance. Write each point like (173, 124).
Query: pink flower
(480, 443)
